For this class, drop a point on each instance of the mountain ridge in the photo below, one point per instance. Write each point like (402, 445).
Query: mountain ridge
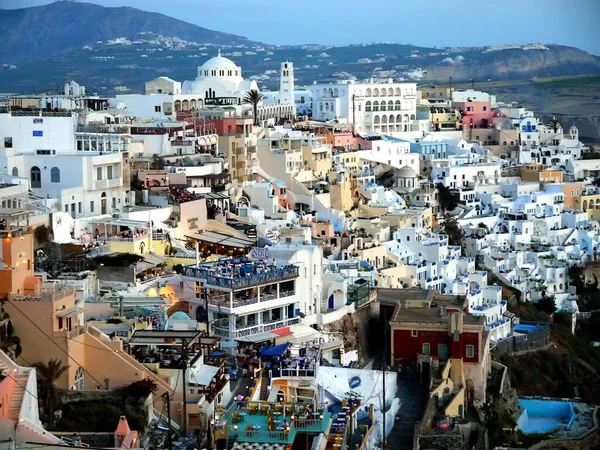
(110, 49)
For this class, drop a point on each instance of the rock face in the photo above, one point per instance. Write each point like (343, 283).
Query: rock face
(519, 64)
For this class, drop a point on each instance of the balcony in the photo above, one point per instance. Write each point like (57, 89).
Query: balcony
(224, 301)
(104, 184)
(50, 293)
(221, 328)
(219, 276)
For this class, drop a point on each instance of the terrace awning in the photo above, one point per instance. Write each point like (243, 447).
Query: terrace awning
(204, 375)
(274, 350)
(213, 237)
(258, 337)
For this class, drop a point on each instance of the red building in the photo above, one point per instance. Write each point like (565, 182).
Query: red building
(476, 114)
(439, 334)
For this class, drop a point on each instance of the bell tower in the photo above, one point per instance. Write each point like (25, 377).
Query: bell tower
(286, 84)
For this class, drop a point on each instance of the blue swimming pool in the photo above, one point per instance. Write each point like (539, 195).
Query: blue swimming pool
(544, 416)
(523, 328)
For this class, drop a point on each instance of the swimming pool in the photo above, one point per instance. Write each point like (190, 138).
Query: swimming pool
(523, 328)
(545, 416)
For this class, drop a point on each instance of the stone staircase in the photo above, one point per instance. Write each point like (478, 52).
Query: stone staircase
(264, 389)
(18, 391)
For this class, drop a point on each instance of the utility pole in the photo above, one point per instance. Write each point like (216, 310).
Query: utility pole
(353, 115)
(184, 363)
(472, 84)
(205, 297)
(450, 88)
(384, 367)
(167, 398)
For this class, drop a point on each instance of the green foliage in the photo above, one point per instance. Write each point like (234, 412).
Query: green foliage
(253, 97)
(118, 259)
(178, 268)
(97, 417)
(546, 304)
(47, 376)
(446, 199)
(140, 389)
(42, 235)
(454, 231)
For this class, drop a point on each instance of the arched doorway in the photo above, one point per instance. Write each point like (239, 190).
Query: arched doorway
(79, 380)
(201, 314)
(103, 203)
(36, 177)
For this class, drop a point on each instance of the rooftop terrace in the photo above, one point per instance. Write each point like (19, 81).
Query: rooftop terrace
(240, 273)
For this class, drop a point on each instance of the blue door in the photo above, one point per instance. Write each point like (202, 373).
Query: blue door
(443, 352)
(330, 302)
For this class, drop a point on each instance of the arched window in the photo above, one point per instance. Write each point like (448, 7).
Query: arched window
(383, 107)
(36, 177)
(406, 119)
(321, 106)
(376, 120)
(326, 106)
(399, 118)
(412, 117)
(359, 107)
(55, 175)
(368, 93)
(79, 380)
(185, 105)
(390, 105)
(368, 106)
(335, 92)
(398, 92)
(375, 92)
(15, 172)
(390, 92)
(384, 119)
(177, 105)
(397, 105)
(391, 120)
(375, 105)
(330, 92)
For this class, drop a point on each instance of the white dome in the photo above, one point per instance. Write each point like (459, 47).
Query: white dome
(219, 62)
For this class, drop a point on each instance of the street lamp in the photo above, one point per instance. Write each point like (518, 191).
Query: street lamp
(210, 431)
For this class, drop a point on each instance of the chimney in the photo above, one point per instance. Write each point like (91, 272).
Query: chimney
(122, 431)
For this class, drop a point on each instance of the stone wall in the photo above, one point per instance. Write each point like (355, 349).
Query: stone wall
(525, 343)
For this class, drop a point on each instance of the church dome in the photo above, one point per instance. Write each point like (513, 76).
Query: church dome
(219, 63)
(407, 172)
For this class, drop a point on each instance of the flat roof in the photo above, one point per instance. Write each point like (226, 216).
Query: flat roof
(222, 239)
(158, 337)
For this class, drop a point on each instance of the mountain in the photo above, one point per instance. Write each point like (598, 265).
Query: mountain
(118, 49)
(39, 32)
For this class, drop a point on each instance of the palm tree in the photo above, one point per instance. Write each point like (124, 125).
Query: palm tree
(555, 124)
(48, 375)
(253, 97)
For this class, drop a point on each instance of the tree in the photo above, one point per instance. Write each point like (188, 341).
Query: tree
(454, 231)
(42, 235)
(546, 304)
(555, 124)
(447, 200)
(48, 375)
(253, 97)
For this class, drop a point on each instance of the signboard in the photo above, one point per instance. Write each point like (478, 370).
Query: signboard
(220, 410)
(259, 253)
(192, 223)
(38, 133)
(354, 382)
(38, 120)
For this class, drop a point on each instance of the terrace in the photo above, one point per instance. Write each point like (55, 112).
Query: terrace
(240, 273)
(274, 422)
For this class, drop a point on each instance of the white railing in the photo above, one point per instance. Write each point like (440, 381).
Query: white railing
(224, 331)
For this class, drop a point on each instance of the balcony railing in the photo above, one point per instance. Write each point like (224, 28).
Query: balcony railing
(103, 184)
(223, 301)
(77, 331)
(48, 294)
(221, 328)
(272, 276)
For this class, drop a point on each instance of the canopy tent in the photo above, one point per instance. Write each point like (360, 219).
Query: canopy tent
(274, 350)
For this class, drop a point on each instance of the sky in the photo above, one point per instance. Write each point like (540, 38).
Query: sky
(420, 22)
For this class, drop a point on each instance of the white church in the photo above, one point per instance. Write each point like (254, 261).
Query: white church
(219, 83)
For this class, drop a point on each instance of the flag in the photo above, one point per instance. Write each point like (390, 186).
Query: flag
(38, 120)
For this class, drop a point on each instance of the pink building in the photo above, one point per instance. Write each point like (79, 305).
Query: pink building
(476, 114)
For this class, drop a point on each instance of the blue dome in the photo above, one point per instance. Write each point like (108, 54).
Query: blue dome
(180, 315)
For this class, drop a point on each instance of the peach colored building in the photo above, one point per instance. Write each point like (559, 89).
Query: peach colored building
(51, 325)
(572, 193)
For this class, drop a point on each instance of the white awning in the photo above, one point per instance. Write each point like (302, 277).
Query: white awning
(203, 376)
(221, 239)
(258, 337)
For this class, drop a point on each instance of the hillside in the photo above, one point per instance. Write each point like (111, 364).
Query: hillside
(29, 34)
(119, 49)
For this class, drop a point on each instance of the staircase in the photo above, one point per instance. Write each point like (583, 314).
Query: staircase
(264, 389)
(18, 392)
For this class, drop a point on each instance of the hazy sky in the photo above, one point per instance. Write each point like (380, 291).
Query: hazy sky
(419, 22)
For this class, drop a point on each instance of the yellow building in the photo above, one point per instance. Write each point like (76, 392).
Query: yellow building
(590, 204)
(540, 174)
